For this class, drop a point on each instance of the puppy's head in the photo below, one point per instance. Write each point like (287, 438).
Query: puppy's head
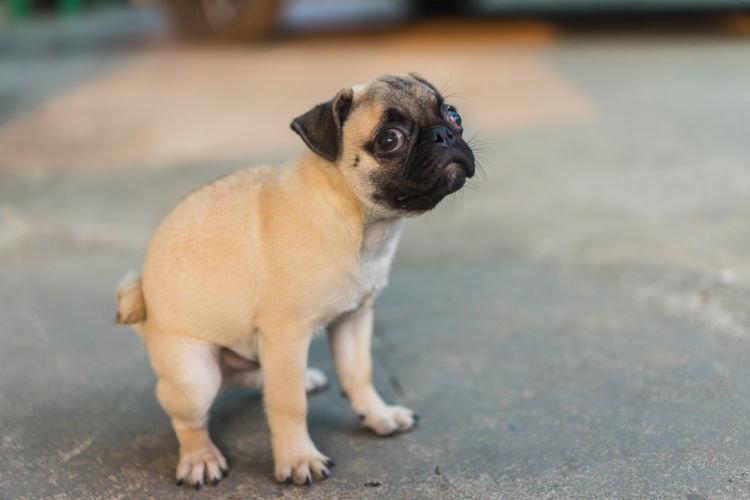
(396, 141)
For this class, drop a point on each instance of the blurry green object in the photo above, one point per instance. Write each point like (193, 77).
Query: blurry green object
(69, 7)
(19, 9)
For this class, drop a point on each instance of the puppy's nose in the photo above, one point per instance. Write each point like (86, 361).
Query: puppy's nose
(442, 136)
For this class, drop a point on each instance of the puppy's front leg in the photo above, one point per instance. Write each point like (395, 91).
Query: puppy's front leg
(283, 360)
(350, 339)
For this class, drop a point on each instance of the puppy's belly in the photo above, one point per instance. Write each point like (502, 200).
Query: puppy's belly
(234, 361)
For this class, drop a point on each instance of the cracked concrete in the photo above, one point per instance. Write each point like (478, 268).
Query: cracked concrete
(573, 325)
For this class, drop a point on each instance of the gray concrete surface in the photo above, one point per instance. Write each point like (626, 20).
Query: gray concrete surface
(574, 325)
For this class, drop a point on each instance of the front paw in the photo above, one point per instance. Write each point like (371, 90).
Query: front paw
(301, 466)
(387, 420)
(199, 463)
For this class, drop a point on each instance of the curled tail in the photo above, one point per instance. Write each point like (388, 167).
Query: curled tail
(130, 305)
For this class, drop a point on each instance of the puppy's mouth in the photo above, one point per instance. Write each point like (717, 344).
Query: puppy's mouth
(447, 179)
(456, 173)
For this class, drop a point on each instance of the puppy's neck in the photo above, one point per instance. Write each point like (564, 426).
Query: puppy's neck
(380, 237)
(321, 182)
(379, 233)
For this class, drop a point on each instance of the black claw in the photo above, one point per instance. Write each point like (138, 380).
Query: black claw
(330, 463)
(308, 481)
(197, 486)
(395, 432)
(180, 482)
(216, 481)
(325, 474)
(416, 417)
(288, 481)
(361, 416)
(224, 472)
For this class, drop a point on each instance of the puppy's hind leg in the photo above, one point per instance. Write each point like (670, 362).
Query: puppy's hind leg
(240, 372)
(315, 380)
(189, 381)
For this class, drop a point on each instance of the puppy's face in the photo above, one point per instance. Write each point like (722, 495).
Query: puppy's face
(398, 143)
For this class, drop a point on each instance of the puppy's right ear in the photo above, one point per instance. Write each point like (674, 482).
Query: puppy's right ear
(320, 127)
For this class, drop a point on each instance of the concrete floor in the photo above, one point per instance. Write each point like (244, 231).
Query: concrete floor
(573, 325)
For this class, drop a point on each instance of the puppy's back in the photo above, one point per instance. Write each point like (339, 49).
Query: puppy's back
(204, 258)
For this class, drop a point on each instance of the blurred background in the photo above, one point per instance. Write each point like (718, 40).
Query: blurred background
(573, 324)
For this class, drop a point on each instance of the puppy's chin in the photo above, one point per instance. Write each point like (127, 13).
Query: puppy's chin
(449, 178)
(455, 176)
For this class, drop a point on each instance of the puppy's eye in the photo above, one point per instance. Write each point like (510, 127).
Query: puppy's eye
(453, 117)
(391, 139)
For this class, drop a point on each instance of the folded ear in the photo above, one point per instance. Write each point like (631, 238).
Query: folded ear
(320, 127)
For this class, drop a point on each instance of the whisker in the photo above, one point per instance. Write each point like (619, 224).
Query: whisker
(454, 95)
(481, 144)
(446, 86)
(479, 130)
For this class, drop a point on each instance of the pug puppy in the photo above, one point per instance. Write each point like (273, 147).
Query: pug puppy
(245, 270)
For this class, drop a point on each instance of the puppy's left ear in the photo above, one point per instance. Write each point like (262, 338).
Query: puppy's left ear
(320, 127)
